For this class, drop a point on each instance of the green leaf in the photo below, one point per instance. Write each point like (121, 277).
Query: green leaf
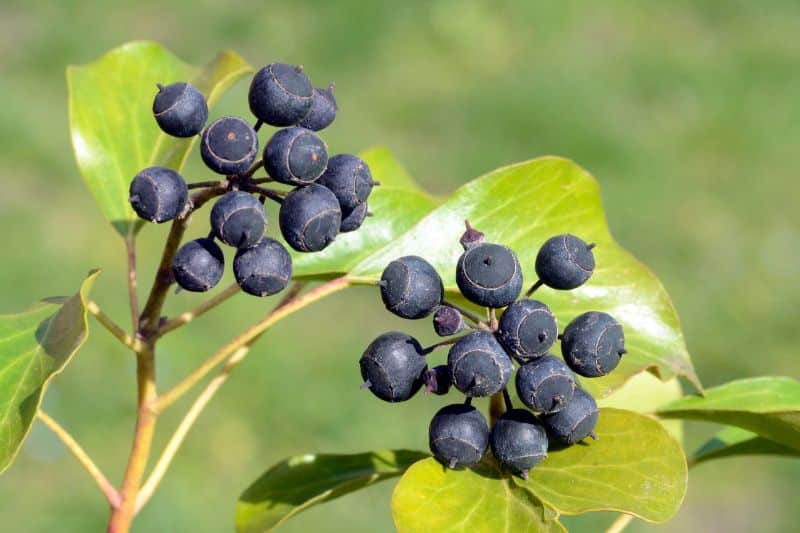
(397, 204)
(635, 467)
(521, 206)
(733, 441)
(767, 406)
(114, 134)
(297, 483)
(35, 345)
(431, 498)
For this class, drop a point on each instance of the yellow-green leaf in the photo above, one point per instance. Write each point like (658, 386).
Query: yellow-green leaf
(297, 483)
(767, 406)
(35, 345)
(635, 467)
(733, 441)
(114, 134)
(477, 500)
(521, 206)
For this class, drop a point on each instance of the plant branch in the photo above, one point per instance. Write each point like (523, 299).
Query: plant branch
(247, 337)
(83, 458)
(496, 408)
(204, 307)
(114, 328)
(133, 298)
(202, 184)
(620, 523)
(166, 457)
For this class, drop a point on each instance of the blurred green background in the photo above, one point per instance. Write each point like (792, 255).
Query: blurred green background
(688, 112)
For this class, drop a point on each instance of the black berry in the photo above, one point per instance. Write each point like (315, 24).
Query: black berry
(353, 219)
(593, 344)
(180, 109)
(458, 435)
(280, 94)
(564, 262)
(310, 218)
(411, 287)
(392, 366)
(575, 421)
(295, 156)
(447, 321)
(158, 194)
(238, 219)
(349, 178)
(545, 384)
(323, 110)
(478, 364)
(518, 441)
(198, 265)
(489, 275)
(437, 380)
(527, 329)
(229, 146)
(264, 269)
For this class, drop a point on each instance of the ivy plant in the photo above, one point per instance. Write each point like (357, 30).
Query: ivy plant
(637, 467)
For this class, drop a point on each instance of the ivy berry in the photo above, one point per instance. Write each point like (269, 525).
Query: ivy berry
(564, 262)
(180, 109)
(295, 156)
(518, 441)
(323, 109)
(575, 421)
(478, 364)
(458, 435)
(349, 178)
(527, 329)
(545, 384)
(229, 146)
(238, 219)
(198, 265)
(310, 218)
(489, 275)
(392, 366)
(593, 344)
(280, 95)
(411, 287)
(264, 269)
(158, 194)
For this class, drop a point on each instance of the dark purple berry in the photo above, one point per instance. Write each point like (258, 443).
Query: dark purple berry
(295, 156)
(280, 95)
(545, 384)
(437, 380)
(458, 435)
(411, 287)
(158, 194)
(518, 441)
(564, 262)
(392, 366)
(527, 329)
(478, 364)
(489, 275)
(238, 219)
(575, 421)
(198, 265)
(180, 109)
(229, 146)
(353, 219)
(349, 178)
(593, 344)
(447, 321)
(310, 218)
(264, 269)
(323, 110)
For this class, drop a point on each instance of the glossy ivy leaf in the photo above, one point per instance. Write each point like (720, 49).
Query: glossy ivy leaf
(35, 345)
(521, 206)
(733, 442)
(114, 134)
(397, 204)
(477, 500)
(635, 467)
(297, 483)
(767, 406)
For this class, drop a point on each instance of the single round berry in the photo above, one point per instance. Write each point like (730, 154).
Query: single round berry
(489, 275)
(295, 156)
(478, 365)
(180, 109)
(392, 366)
(564, 262)
(349, 178)
(575, 421)
(198, 265)
(447, 321)
(458, 435)
(264, 269)
(527, 329)
(545, 384)
(518, 441)
(238, 219)
(229, 146)
(280, 95)
(323, 110)
(411, 287)
(437, 380)
(593, 344)
(353, 219)
(310, 218)
(158, 194)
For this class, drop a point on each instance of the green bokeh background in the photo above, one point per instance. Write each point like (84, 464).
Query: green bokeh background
(688, 112)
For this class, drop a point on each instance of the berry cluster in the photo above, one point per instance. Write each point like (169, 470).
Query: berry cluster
(328, 196)
(481, 362)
